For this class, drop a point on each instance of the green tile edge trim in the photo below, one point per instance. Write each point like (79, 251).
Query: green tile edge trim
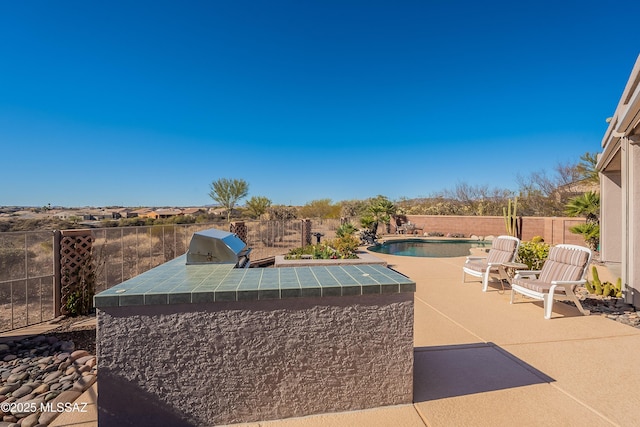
(219, 284)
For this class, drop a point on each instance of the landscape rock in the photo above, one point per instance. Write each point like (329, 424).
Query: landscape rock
(31, 420)
(22, 391)
(64, 397)
(78, 354)
(84, 382)
(83, 360)
(8, 388)
(42, 388)
(39, 370)
(52, 376)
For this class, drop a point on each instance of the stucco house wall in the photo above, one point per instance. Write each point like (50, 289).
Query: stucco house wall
(619, 167)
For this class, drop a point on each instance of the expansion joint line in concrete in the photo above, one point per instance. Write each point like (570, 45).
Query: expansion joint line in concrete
(588, 407)
(421, 415)
(449, 318)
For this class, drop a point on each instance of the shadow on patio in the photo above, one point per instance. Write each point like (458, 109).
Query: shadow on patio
(458, 370)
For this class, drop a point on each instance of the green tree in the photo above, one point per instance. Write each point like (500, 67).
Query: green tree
(227, 192)
(257, 206)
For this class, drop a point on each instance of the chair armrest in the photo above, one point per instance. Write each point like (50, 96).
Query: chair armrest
(568, 282)
(527, 274)
(475, 258)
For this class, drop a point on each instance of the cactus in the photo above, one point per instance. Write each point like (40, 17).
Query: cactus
(596, 282)
(606, 289)
(510, 218)
(618, 288)
(589, 284)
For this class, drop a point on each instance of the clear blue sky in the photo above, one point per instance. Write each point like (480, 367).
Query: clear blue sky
(140, 103)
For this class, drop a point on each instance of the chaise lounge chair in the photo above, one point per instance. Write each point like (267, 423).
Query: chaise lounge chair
(564, 269)
(503, 249)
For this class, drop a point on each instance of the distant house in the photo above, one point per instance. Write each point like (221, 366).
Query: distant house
(222, 211)
(193, 211)
(98, 215)
(123, 213)
(576, 188)
(74, 215)
(619, 167)
(164, 213)
(65, 214)
(142, 213)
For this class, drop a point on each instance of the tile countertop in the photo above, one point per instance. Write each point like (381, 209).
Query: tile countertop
(174, 282)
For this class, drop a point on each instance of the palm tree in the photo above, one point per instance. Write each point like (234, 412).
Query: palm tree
(587, 205)
(381, 209)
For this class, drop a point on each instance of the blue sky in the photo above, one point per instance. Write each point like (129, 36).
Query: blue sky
(145, 103)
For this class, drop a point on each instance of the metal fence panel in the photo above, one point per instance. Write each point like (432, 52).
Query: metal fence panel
(26, 278)
(119, 253)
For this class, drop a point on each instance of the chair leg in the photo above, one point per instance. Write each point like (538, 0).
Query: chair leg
(485, 281)
(548, 302)
(571, 296)
(512, 295)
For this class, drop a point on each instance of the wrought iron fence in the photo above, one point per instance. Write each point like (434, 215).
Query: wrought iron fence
(27, 259)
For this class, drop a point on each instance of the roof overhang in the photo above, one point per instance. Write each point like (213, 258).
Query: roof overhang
(625, 123)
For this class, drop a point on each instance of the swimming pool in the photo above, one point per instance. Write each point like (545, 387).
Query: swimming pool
(429, 247)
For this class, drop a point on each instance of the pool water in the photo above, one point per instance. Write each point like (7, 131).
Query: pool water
(429, 248)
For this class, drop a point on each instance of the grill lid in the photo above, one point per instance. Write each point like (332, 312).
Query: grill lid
(215, 246)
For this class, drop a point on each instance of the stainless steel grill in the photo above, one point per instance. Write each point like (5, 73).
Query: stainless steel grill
(215, 246)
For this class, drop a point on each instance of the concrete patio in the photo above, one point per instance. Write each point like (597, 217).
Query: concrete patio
(480, 361)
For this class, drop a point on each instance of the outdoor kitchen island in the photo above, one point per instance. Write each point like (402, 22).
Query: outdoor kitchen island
(206, 344)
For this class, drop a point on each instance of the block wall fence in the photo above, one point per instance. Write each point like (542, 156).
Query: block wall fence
(554, 230)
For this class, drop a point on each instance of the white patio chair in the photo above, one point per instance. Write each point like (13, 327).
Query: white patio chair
(565, 269)
(503, 249)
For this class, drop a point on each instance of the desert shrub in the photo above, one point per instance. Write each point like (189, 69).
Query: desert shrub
(533, 253)
(340, 248)
(346, 230)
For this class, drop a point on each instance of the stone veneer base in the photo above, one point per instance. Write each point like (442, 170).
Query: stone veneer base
(232, 362)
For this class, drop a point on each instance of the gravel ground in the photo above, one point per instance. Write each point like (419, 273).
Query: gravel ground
(84, 337)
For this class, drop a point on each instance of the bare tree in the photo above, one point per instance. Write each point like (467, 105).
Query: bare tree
(477, 200)
(542, 194)
(587, 167)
